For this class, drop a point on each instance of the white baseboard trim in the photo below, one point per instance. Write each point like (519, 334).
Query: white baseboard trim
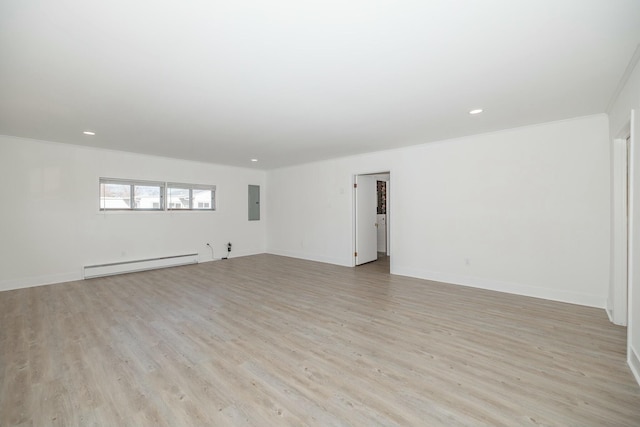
(610, 315)
(236, 255)
(310, 257)
(475, 282)
(634, 363)
(30, 282)
(511, 288)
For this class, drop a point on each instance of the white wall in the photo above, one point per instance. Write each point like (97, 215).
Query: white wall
(528, 208)
(620, 118)
(310, 208)
(51, 226)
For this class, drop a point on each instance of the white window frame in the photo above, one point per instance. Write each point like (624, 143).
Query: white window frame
(132, 196)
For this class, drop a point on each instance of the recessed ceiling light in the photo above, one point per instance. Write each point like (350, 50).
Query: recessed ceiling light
(88, 132)
(476, 111)
(254, 160)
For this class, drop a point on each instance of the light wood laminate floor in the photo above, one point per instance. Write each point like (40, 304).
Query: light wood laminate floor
(273, 341)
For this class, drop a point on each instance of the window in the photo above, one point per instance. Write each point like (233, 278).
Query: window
(120, 194)
(129, 195)
(203, 198)
(191, 197)
(179, 198)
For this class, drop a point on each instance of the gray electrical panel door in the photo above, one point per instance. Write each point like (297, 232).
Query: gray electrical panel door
(254, 203)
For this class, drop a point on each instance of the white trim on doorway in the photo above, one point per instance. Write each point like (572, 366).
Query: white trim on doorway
(617, 304)
(389, 221)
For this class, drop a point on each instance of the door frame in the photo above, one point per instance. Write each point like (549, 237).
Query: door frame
(617, 306)
(354, 201)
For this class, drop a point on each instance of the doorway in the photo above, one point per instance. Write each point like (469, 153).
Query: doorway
(371, 219)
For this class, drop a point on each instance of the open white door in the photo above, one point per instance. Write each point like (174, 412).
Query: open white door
(366, 217)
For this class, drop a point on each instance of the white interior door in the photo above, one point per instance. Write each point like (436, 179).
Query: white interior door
(366, 219)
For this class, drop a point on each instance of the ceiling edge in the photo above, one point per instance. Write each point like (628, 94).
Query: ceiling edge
(625, 77)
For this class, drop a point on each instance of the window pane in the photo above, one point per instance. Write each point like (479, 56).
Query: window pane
(122, 194)
(178, 198)
(202, 199)
(147, 196)
(115, 196)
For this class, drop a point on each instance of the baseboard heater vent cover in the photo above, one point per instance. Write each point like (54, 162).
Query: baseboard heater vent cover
(100, 270)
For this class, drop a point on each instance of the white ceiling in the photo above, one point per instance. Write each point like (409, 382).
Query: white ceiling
(290, 81)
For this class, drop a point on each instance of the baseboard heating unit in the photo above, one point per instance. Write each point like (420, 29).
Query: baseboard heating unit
(99, 270)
